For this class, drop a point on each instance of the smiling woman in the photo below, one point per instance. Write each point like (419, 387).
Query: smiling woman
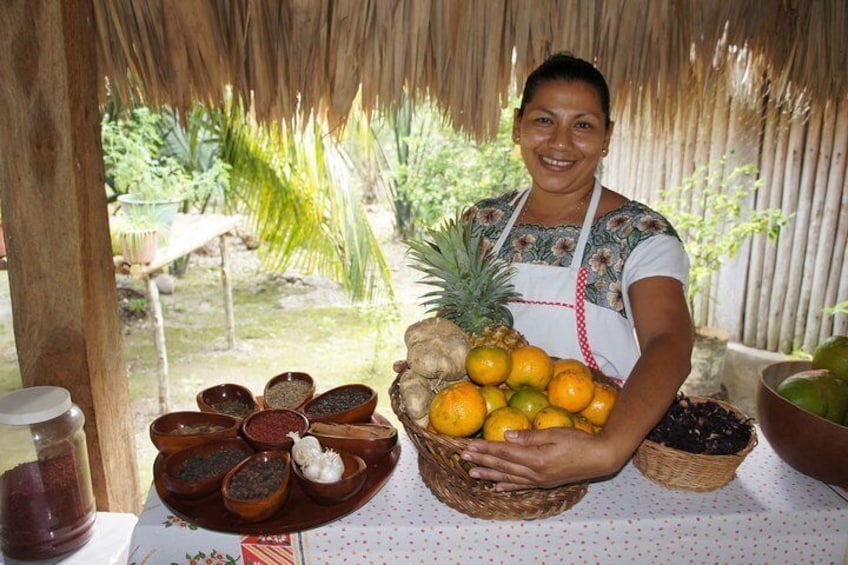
(602, 279)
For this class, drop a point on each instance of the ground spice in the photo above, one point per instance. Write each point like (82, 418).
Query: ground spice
(703, 427)
(335, 401)
(258, 479)
(287, 394)
(235, 408)
(200, 467)
(44, 510)
(273, 427)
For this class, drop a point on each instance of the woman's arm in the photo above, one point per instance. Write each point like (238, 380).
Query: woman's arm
(558, 456)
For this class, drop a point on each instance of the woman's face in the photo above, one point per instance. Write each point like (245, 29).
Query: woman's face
(562, 135)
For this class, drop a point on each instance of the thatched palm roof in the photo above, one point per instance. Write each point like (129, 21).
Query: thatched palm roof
(299, 57)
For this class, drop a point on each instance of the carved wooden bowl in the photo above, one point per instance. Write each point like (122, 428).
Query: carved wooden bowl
(199, 488)
(810, 444)
(346, 404)
(177, 431)
(260, 508)
(372, 442)
(353, 478)
(289, 378)
(225, 398)
(268, 429)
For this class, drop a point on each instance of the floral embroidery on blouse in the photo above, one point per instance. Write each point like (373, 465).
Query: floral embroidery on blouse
(612, 239)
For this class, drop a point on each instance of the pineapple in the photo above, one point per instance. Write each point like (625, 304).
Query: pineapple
(472, 288)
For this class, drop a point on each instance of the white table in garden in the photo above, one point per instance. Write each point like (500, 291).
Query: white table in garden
(189, 233)
(769, 513)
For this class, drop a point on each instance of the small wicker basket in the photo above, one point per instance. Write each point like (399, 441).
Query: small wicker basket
(696, 472)
(445, 474)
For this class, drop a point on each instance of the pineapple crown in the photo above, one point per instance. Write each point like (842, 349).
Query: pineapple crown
(472, 287)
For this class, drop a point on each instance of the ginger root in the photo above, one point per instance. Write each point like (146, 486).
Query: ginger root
(416, 394)
(436, 349)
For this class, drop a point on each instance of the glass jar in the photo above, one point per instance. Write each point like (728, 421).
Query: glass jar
(46, 501)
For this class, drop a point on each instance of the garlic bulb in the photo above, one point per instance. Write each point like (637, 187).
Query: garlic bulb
(315, 463)
(332, 467)
(304, 449)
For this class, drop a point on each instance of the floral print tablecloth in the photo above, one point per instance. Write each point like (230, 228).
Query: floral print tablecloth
(768, 514)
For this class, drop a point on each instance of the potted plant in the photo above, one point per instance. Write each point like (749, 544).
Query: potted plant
(144, 174)
(708, 211)
(139, 236)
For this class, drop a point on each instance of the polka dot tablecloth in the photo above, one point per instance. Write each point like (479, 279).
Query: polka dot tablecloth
(768, 514)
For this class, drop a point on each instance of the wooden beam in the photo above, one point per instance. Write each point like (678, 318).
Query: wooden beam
(61, 277)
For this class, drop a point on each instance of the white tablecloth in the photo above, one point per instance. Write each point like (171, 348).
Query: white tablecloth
(769, 513)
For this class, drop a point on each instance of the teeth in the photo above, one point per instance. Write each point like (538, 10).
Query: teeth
(554, 162)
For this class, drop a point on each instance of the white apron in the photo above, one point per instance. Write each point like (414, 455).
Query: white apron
(552, 313)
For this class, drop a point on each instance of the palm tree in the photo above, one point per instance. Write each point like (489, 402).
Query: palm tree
(293, 186)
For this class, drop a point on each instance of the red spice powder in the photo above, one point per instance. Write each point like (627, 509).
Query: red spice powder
(45, 512)
(272, 426)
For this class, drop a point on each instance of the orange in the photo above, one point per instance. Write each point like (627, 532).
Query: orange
(488, 365)
(602, 402)
(581, 423)
(529, 400)
(572, 386)
(531, 366)
(552, 417)
(494, 397)
(458, 410)
(503, 419)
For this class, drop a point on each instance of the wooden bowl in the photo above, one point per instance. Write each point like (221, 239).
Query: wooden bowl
(209, 484)
(168, 432)
(292, 378)
(372, 442)
(210, 399)
(285, 421)
(810, 444)
(346, 404)
(259, 508)
(327, 494)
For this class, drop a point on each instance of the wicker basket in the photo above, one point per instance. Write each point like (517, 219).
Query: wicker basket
(691, 471)
(445, 474)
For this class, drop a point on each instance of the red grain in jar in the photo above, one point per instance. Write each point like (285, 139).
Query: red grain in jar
(273, 426)
(46, 500)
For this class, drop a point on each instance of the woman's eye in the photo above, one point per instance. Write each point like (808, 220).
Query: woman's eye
(543, 120)
(583, 125)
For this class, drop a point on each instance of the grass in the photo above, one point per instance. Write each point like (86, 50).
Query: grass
(283, 323)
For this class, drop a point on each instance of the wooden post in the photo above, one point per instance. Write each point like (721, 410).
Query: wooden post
(228, 292)
(154, 303)
(62, 282)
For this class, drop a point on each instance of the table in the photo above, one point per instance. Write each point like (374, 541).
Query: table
(769, 513)
(189, 233)
(108, 546)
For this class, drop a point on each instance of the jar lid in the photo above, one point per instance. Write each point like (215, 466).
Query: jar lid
(33, 405)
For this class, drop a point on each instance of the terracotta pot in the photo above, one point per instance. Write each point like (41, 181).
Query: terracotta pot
(139, 247)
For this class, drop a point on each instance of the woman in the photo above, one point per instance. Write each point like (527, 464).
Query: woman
(602, 280)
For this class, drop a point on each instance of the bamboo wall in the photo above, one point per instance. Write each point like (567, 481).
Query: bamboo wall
(773, 295)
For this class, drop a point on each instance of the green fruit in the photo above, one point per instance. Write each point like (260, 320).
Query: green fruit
(835, 391)
(529, 400)
(832, 354)
(804, 392)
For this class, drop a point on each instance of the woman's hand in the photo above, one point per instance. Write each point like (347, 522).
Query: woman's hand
(542, 458)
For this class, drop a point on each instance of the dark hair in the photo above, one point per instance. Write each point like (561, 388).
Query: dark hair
(567, 67)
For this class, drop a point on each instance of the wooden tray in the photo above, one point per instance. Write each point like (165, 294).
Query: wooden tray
(299, 513)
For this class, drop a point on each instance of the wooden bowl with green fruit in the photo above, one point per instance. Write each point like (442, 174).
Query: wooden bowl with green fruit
(802, 414)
